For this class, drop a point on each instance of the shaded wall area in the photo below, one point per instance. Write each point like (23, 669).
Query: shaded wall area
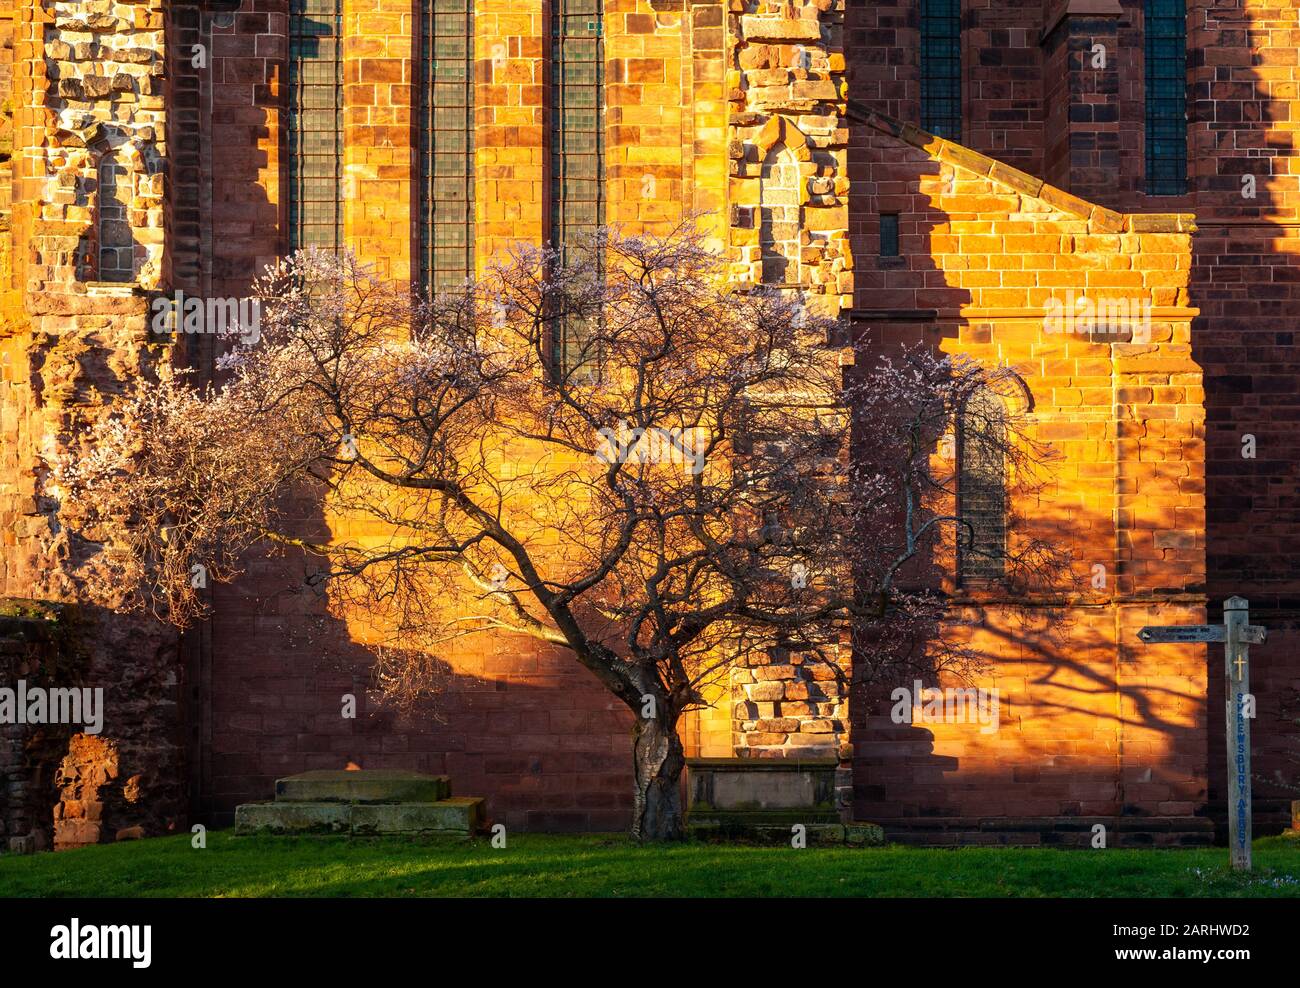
(66, 782)
(1242, 77)
(515, 721)
(29, 753)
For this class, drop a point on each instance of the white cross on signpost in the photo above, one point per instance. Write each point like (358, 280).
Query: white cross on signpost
(1237, 634)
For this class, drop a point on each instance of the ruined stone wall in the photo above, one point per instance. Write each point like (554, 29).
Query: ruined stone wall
(34, 649)
(788, 195)
(6, 132)
(787, 217)
(88, 105)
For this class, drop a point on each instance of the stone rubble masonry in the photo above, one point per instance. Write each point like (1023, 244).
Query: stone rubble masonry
(87, 87)
(788, 148)
(788, 214)
(31, 649)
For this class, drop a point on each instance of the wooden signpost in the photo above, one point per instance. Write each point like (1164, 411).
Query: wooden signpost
(1237, 634)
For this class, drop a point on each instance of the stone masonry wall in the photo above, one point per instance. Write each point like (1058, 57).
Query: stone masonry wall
(1244, 83)
(1034, 99)
(789, 177)
(788, 197)
(87, 100)
(1093, 722)
(520, 722)
(32, 649)
(738, 108)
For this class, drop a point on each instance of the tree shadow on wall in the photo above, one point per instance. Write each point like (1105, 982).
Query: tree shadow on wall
(1080, 735)
(517, 722)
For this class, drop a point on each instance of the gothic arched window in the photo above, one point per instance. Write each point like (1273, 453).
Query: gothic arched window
(981, 490)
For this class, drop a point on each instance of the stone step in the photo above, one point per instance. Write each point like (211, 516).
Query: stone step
(293, 818)
(457, 816)
(365, 786)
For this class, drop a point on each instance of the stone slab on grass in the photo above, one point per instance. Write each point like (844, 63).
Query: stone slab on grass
(365, 786)
(459, 816)
(293, 818)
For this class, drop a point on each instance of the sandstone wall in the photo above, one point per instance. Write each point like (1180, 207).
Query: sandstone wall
(31, 649)
(1243, 77)
(1094, 723)
(89, 125)
(1035, 99)
(740, 109)
(520, 723)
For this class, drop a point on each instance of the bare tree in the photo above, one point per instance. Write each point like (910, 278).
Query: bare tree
(619, 455)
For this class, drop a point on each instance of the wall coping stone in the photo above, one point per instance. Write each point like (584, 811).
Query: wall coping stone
(1004, 175)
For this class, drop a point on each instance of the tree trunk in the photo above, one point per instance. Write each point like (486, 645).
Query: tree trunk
(659, 760)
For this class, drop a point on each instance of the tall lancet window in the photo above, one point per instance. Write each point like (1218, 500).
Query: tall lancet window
(981, 491)
(577, 158)
(941, 68)
(1166, 97)
(315, 192)
(445, 108)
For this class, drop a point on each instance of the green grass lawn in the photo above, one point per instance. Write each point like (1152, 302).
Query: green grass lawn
(540, 865)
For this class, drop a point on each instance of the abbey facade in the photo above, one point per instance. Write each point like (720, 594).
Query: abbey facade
(1096, 193)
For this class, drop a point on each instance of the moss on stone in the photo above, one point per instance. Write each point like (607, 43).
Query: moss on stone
(28, 609)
